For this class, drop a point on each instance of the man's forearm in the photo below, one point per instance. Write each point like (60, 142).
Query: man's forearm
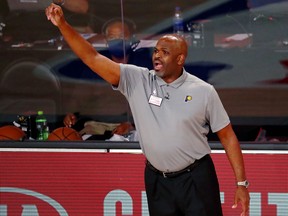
(233, 151)
(81, 47)
(235, 157)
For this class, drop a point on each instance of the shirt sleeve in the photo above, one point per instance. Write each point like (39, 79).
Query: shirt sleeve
(216, 113)
(130, 76)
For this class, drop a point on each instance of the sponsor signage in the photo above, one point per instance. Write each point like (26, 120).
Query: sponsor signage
(89, 183)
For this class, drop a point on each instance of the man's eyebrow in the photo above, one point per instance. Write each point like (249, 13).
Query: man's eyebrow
(165, 48)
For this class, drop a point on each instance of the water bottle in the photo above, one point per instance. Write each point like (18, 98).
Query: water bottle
(178, 22)
(41, 126)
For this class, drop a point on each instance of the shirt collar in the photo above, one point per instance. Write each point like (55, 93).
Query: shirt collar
(176, 83)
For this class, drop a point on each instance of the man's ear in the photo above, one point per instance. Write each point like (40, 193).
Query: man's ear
(181, 59)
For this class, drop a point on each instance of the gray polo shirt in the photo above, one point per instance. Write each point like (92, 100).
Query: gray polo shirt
(172, 119)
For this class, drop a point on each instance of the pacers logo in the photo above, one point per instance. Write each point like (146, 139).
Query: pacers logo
(18, 201)
(188, 98)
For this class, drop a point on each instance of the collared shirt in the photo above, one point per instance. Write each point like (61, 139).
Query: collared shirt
(174, 123)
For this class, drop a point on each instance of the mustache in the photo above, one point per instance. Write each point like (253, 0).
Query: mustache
(157, 59)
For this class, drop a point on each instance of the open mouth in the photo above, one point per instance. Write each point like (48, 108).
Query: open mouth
(158, 65)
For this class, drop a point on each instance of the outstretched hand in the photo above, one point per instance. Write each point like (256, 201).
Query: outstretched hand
(55, 14)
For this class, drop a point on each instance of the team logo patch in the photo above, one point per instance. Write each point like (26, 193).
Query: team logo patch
(188, 98)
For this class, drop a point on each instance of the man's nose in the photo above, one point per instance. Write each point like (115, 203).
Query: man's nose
(157, 55)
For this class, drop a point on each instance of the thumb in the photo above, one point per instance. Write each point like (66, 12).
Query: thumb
(235, 204)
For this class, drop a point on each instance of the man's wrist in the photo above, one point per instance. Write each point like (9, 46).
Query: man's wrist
(244, 183)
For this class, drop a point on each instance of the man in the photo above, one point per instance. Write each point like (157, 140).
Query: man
(119, 35)
(171, 111)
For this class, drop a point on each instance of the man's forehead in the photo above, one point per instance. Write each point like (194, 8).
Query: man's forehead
(116, 29)
(166, 42)
(169, 39)
(162, 46)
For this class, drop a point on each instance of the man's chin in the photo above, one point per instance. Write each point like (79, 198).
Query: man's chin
(159, 73)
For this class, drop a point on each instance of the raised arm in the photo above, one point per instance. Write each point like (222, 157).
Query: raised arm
(104, 67)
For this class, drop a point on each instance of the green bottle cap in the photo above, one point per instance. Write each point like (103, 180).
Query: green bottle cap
(40, 112)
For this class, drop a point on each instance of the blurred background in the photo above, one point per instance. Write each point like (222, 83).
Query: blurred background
(239, 46)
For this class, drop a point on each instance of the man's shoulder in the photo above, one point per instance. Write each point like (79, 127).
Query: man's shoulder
(196, 80)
